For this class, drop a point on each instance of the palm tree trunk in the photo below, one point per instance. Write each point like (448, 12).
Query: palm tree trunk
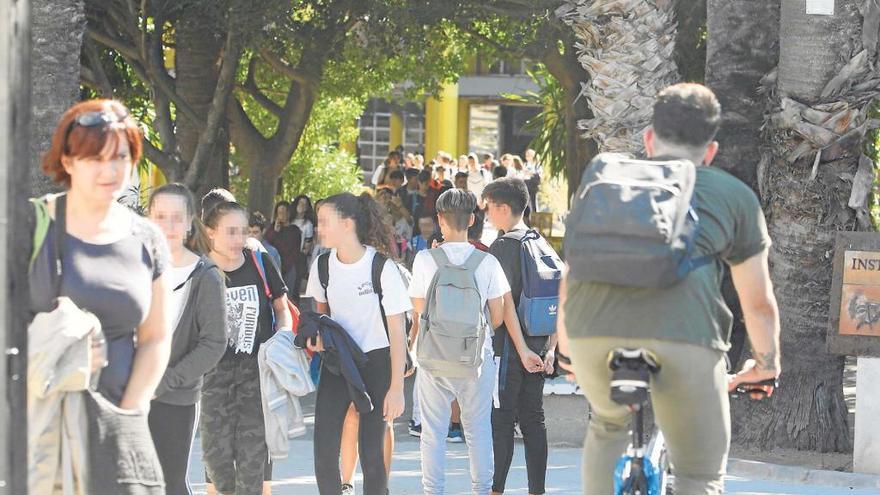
(57, 28)
(627, 49)
(824, 84)
(742, 47)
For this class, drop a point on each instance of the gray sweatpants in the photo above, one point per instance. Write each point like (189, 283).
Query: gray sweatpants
(475, 398)
(691, 406)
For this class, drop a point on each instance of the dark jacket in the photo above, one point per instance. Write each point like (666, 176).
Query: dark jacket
(341, 355)
(199, 340)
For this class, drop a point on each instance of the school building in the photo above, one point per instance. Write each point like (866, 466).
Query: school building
(470, 115)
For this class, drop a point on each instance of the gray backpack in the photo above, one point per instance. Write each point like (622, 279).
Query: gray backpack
(633, 223)
(454, 325)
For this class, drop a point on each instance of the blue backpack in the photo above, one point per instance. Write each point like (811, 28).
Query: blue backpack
(541, 272)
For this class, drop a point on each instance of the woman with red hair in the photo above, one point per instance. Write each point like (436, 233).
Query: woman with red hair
(110, 262)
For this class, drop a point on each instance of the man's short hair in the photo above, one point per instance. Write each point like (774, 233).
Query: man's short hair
(499, 172)
(461, 175)
(395, 174)
(686, 114)
(213, 198)
(425, 176)
(487, 156)
(457, 206)
(411, 173)
(508, 191)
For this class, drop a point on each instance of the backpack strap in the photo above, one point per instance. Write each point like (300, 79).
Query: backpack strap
(376, 274)
(41, 227)
(324, 272)
(474, 260)
(440, 257)
(257, 258)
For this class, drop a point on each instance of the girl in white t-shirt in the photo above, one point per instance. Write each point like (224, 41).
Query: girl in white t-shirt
(354, 230)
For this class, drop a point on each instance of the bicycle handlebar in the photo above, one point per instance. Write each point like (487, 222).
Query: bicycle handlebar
(755, 388)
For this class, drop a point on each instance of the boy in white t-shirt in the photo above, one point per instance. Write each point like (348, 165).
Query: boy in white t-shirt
(455, 212)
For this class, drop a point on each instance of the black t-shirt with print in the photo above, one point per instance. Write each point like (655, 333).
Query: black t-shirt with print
(248, 309)
(509, 254)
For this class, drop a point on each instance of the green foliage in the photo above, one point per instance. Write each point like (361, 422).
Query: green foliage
(319, 167)
(549, 124)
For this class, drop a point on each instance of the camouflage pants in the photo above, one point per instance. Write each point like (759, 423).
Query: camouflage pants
(232, 430)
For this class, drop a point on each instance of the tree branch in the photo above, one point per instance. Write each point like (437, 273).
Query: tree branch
(166, 163)
(250, 87)
(285, 69)
(216, 114)
(98, 74)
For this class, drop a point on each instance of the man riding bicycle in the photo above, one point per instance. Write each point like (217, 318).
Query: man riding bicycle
(685, 324)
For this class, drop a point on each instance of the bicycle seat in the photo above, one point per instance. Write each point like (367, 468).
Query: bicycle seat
(631, 375)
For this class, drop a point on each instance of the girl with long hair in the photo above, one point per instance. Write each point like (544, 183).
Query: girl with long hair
(197, 307)
(354, 229)
(233, 431)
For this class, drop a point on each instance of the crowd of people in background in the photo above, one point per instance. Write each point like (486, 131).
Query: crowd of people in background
(146, 328)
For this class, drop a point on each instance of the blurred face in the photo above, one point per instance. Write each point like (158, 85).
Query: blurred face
(506, 160)
(409, 161)
(461, 183)
(255, 232)
(281, 215)
(168, 211)
(332, 228)
(228, 237)
(302, 207)
(426, 227)
(498, 214)
(396, 183)
(462, 162)
(530, 155)
(101, 178)
(472, 164)
(384, 197)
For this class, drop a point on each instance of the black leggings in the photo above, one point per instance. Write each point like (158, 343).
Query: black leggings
(172, 430)
(330, 409)
(521, 398)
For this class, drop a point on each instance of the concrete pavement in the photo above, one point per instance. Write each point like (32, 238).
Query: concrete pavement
(295, 475)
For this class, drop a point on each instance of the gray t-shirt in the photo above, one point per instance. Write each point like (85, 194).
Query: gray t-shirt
(113, 281)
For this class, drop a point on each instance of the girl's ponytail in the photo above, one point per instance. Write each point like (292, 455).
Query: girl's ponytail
(371, 223)
(378, 231)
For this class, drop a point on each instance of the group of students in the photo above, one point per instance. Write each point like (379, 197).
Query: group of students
(144, 326)
(408, 189)
(188, 300)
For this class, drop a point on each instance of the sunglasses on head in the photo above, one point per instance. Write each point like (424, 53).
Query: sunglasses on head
(92, 119)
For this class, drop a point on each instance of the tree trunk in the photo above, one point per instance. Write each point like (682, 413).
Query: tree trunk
(742, 48)
(568, 71)
(809, 198)
(690, 46)
(57, 28)
(197, 65)
(627, 49)
(16, 169)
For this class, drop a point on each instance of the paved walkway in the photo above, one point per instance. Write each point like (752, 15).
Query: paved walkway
(295, 476)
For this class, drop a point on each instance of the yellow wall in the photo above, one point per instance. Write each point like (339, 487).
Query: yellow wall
(441, 122)
(396, 130)
(464, 120)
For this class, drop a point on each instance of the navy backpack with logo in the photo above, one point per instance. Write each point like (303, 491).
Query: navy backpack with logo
(541, 272)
